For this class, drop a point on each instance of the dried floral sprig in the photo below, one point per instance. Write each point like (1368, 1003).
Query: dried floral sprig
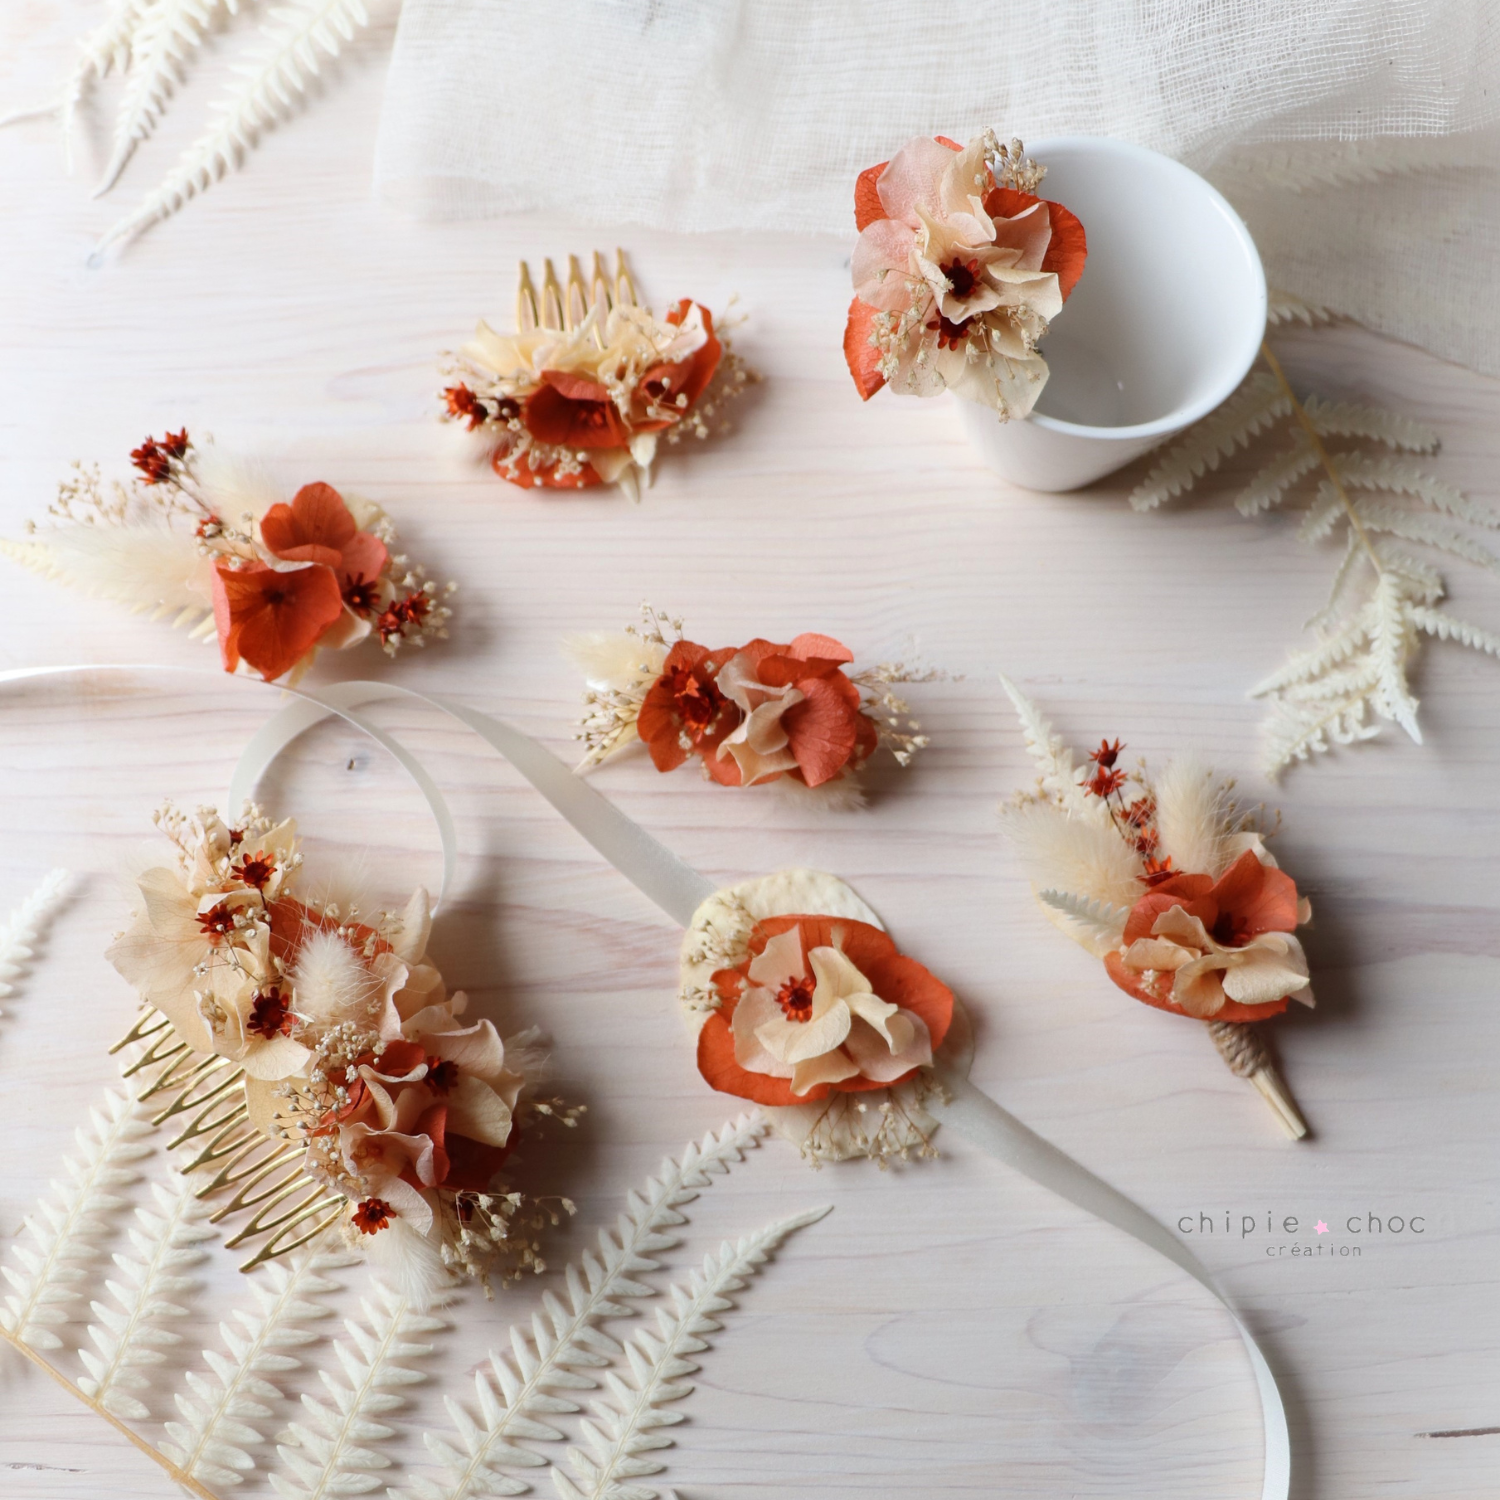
(206, 538)
(758, 713)
(1168, 881)
(24, 926)
(591, 383)
(1368, 638)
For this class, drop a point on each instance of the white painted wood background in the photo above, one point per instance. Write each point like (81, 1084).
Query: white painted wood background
(949, 1330)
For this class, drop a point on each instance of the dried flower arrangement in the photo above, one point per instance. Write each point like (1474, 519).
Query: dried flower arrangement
(759, 713)
(958, 271)
(586, 389)
(352, 1073)
(150, 43)
(206, 537)
(1170, 884)
(1368, 636)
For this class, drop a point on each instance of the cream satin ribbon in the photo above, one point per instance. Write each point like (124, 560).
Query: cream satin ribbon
(679, 890)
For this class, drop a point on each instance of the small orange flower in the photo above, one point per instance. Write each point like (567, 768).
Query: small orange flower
(256, 869)
(270, 1015)
(684, 712)
(373, 1215)
(271, 618)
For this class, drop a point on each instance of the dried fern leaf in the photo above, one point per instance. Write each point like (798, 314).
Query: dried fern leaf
(165, 36)
(1346, 419)
(128, 1337)
(1098, 924)
(1259, 402)
(268, 92)
(623, 1427)
(1271, 485)
(1054, 760)
(522, 1390)
(1402, 477)
(1446, 628)
(1283, 307)
(65, 1228)
(330, 1452)
(24, 926)
(1413, 526)
(241, 1386)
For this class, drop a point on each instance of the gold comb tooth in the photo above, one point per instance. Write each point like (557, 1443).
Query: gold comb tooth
(528, 313)
(552, 298)
(599, 284)
(625, 294)
(578, 297)
(273, 1246)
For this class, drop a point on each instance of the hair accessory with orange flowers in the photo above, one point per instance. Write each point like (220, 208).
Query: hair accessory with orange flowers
(320, 1063)
(211, 541)
(959, 269)
(590, 383)
(763, 712)
(1172, 887)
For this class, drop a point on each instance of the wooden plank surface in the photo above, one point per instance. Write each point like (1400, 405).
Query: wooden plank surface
(949, 1330)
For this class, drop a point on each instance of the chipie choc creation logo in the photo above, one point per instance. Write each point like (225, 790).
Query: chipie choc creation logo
(1341, 1236)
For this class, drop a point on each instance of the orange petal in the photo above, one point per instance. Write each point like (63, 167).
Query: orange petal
(867, 205)
(1261, 898)
(272, 619)
(523, 476)
(821, 730)
(862, 357)
(824, 647)
(1068, 248)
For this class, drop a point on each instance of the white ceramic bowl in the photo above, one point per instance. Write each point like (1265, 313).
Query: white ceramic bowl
(1167, 318)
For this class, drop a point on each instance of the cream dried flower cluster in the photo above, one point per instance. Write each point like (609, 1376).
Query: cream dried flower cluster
(349, 1044)
(212, 541)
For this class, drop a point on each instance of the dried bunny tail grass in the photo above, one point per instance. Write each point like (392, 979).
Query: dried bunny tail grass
(1064, 853)
(410, 1263)
(234, 486)
(614, 659)
(841, 795)
(527, 1053)
(329, 980)
(1195, 816)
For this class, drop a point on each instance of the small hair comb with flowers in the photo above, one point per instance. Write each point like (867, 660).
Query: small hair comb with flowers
(584, 390)
(212, 541)
(1168, 883)
(959, 269)
(751, 714)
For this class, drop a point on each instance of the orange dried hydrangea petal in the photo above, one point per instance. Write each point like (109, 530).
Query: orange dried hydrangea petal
(271, 619)
(862, 357)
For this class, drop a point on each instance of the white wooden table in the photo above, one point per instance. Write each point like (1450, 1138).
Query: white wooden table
(950, 1330)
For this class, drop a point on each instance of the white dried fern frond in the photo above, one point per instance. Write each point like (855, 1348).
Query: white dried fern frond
(1285, 307)
(1348, 419)
(1095, 925)
(52, 1263)
(299, 38)
(165, 35)
(153, 1282)
(523, 1390)
(1054, 760)
(330, 1453)
(146, 565)
(623, 1427)
(241, 1386)
(24, 926)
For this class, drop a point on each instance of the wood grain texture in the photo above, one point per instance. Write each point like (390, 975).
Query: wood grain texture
(949, 1331)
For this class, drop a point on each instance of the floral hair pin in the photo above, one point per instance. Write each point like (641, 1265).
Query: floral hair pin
(959, 269)
(1170, 885)
(211, 540)
(762, 712)
(591, 382)
(323, 1070)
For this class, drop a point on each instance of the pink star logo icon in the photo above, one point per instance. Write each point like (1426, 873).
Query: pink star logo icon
(1321, 1227)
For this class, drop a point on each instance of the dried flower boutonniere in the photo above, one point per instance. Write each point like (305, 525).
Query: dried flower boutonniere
(212, 541)
(591, 382)
(761, 712)
(959, 268)
(357, 1097)
(1172, 887)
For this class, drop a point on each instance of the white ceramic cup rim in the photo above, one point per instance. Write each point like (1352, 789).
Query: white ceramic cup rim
(1186, 415)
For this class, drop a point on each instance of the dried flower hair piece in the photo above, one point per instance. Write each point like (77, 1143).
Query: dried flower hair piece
(203, 536)
(1169, 883)
(959, 269)
(591, 382)
(319, 1062)
(762, 712)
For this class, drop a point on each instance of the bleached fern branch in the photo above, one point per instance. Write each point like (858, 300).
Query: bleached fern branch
(268, 91)
(520, 1391)
(24, 926)
(1053, 757)
(623, 1428)
(64, 1230)
(241, 1386)
(166, 34)
(1099, 924)
(128, 1334)
(330, 1453)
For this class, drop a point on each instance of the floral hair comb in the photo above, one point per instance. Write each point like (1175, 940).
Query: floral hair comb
(591, 382)
(959, 269)
(317, 1064)
(209, 539)
(1170, 885)
(751, 714)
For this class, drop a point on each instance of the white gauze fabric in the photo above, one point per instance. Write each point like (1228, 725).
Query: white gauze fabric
(1360, 139)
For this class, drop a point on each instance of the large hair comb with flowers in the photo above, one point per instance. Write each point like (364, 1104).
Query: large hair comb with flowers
(590, 383)
(959, 269)
(1172, 887)
(210, 540)
(763, 712)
